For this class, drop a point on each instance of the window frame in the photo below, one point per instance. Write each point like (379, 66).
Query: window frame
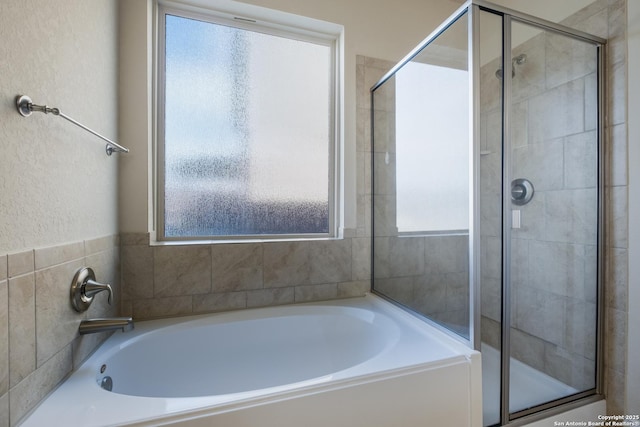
(268, 22)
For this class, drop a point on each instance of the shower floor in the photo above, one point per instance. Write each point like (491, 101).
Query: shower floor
(529, 387)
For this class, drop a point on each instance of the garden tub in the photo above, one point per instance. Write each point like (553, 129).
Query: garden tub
(353, 362)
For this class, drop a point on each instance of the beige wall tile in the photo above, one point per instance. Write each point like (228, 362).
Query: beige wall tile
(616, 216)
(56, 320)
(361, 258)
(356, 288)
(272, 296)
(330, 261)
(316, 292)
(4, 337)
(100, 244)
(161, 307)
(4, 409)
(22, 333)
(3, 267)
(36, 386)
(20, 263)
(286, 264)
(137, 272)
(236, 267)
(50, 256)
(181, 270)
(219, 302)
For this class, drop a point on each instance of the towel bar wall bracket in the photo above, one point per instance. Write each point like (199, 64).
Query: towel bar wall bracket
(26, 107)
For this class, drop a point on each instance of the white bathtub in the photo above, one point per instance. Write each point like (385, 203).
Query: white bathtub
(355, 362)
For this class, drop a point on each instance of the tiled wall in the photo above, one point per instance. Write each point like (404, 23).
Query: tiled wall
(171, 280)
(39, 341)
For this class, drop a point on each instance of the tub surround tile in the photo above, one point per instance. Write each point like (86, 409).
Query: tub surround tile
(286, 264)
(181, 270)
(20, 263)
(268, 297)
(56, 321)
(137, 272)
(50, 256)
(161, 307)
(237, 267)
(4, 337)
(22, 333)
(84, 345)
(4, 409)
(3, 267)
(41, 323)
(329, 261)
(356, 288)
(36, 386)
(361, 258)
(219, 302)
(316, 292)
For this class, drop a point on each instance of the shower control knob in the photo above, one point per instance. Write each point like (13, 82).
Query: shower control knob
(521, 191)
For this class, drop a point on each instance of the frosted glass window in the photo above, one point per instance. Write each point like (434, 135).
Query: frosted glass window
(248, 132)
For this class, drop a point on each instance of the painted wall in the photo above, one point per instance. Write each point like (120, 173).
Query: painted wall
(58, 188)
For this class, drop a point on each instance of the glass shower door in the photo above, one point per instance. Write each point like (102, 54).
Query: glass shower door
(552, 211)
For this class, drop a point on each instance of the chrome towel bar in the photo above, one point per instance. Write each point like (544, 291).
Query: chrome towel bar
(26, 107)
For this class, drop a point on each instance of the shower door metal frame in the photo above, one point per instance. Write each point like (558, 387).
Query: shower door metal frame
(594, 394)
(473, 8)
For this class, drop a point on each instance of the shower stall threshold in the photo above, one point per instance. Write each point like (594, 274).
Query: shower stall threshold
(529, 387)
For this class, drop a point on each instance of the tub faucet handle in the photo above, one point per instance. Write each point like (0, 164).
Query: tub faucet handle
(92, 287)
(84, 287)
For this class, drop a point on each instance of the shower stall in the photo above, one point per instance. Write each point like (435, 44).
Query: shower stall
(487, 201)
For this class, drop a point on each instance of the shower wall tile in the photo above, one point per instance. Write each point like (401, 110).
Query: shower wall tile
(381, 266)
(581, 320)
(541, 164)
(571, 216)
(528, 349)
(567, 59)
(616, 209)
(590, 102)
(581, 160)
(530, 75)
(556, 113)
(616, 156)
(557, 268)
(616, 269)
(406, 256)
(491, 298)
(446, 254)
(616, 87)
(541, 314)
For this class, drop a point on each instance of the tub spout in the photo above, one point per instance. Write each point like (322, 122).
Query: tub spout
(91, 326)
